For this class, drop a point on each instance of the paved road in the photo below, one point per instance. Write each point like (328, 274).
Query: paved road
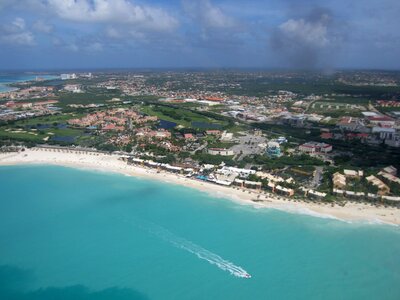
(317, 177)
(199, 148)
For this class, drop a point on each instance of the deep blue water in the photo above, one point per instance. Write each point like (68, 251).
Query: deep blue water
(73, 234)
(166, 124)
(47, 126)
(65, 138)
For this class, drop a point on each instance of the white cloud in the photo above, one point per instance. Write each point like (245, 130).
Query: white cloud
(15, 33)
(72, 47)
(313, 34)
(95, 47)
(42, 26)
(22, 39)
(19, 23)
(310, 41)
(114, 12)
(208, 15)
(113, 33)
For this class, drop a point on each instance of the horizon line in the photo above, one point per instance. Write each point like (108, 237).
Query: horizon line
(144, 69)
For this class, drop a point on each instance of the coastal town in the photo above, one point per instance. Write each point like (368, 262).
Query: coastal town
(199, 149)
(314, 142)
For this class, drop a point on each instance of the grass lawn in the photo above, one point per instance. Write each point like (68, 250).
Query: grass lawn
(64, 131)
(177, 115)
(21, 136)
(35, 135)
(62, 118)
(66, 98)
(148, 110)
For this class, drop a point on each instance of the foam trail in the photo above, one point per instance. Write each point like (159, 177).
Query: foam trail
(199, 251)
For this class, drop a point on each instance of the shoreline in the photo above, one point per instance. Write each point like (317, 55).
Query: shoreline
(5, 88)
(8, 88)
(351, 212)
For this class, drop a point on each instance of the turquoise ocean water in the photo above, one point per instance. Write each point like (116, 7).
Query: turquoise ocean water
(13, 78)
(73, 234)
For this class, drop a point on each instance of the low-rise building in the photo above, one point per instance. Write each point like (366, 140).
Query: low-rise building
(350, 124)
(372, 197)
(382, 187)
(220, 151)
(338, 192)
(74, 88)
(226, 136)
(273, 149)
(314, 148)
(270, 177)
(382, 121)
(189, 136)
(243, 173)
(316, 194)
(391, 199)
(214, 132)
(389, 177)
(384, 132)
(284, 191)
(252, 184)
(390, 170)
(353, 173)
(339, 180)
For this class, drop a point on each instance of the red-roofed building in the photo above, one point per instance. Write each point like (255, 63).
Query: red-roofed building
(388, 103)
(188, 136)
(113, 127)
(109, 127)
(362, 135)
(383, 121)
(326, 135)
(214, 99)
(10, 104)
(349, 123)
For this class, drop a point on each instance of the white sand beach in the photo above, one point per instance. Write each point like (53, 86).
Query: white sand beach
(351, 212)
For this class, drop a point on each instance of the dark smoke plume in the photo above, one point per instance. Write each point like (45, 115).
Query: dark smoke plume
(307, 42)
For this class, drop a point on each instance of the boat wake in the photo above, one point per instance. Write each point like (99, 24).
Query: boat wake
(199, 251)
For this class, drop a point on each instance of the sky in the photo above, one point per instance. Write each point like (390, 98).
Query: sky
(305, 34)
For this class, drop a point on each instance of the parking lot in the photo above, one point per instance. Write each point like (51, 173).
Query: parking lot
(248, 145)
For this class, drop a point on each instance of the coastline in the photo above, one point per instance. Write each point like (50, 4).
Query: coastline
(6, 88)
(351, 212)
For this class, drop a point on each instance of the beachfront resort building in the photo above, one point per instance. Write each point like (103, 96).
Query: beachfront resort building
(390, 170)
(389, 177)
(316, 195)
(383, 189)
(284, 191)
(247, 184)
(338, 180)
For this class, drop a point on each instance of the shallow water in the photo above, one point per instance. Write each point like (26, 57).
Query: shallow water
(75, 234)
(14, 78)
